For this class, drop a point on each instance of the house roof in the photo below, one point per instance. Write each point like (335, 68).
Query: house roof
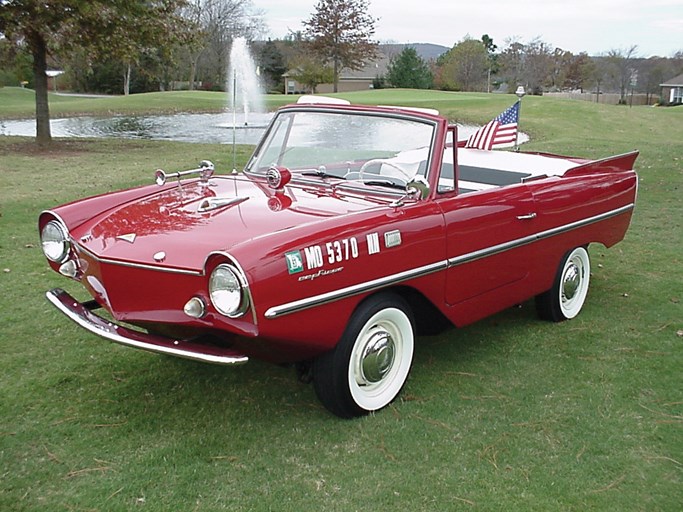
(676, 81)
(372, 69)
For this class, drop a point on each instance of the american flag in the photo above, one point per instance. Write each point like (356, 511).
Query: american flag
(501, 131)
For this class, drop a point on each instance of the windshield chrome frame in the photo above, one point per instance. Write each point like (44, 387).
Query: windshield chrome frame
(355, 185)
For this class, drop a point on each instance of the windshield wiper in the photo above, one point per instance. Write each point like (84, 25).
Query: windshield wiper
(317, 172)
(385, 183)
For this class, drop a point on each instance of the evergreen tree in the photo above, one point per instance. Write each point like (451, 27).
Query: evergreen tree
(272, 64)
(408, 70)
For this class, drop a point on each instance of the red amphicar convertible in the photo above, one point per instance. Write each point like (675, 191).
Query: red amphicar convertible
(351, 231)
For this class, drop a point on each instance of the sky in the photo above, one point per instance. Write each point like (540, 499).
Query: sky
(592, 26)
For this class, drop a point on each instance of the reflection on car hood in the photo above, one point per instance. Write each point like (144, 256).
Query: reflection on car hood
(188, 222)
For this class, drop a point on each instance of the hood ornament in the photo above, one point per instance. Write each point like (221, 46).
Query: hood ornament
(128, 237)
(213, 203)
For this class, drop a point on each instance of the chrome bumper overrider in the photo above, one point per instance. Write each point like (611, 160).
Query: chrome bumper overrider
(197, 351)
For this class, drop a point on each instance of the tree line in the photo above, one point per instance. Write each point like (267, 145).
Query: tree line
(129, 46)
(476, 65)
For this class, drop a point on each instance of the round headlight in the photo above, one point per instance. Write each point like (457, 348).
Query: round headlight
(226, 291)
(55, 241)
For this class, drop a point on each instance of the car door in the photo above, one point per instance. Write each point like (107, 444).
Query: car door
(488, 242)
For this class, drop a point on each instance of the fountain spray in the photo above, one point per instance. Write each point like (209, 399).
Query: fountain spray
(244, 88)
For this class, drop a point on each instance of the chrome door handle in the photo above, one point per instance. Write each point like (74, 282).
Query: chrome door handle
(528, 216)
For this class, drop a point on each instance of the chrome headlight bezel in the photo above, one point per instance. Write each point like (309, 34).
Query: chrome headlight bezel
(227, 291)
(54, 240)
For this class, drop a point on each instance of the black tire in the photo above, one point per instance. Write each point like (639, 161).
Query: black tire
(369, 366)
(570, 288)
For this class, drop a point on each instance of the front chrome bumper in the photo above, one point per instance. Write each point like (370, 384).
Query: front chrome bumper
(194, 350)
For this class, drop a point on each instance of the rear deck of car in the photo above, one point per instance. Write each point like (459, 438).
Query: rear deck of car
(483, 170)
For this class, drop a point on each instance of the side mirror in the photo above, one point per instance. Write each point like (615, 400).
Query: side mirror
(418, 187)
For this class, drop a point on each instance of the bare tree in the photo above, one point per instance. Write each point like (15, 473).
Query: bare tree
(677, 62)
(560, 66)
(531, 64)
(538, 65)
(597, 74)
(652, 72)
(218, 22)
(340, 31)
(578, 72)
(621, 68)
(511, 62)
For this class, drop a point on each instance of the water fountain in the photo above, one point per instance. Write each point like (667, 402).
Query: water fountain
(244, 89)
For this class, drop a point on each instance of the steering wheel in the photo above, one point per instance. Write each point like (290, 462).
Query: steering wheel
(382, 161)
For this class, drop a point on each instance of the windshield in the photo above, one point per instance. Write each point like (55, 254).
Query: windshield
(347, 145)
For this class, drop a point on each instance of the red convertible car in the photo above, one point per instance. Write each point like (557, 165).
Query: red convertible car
(351, 230)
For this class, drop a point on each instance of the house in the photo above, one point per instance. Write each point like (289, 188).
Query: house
(672, 91)
(363, 79)
(349, 80)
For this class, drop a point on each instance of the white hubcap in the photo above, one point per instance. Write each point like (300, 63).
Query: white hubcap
(381, 359)
(574, 284)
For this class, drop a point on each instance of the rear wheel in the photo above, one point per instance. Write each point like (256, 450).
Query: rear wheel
(568, 294)
(370, 364)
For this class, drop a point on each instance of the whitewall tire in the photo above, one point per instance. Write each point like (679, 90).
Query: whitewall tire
(570, 288)
(369, 366)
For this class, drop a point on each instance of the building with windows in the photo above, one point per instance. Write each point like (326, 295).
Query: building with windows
(349, 80)
(672, 91)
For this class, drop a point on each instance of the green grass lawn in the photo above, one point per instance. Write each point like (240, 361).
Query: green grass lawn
(508, 414)
(16, 103)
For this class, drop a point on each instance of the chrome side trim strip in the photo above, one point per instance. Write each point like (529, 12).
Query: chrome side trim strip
(519, 242)
(324, 298)
(95, 324)
(490, 251)
(585, 222)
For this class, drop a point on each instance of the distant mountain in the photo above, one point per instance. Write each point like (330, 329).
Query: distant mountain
(426, 51)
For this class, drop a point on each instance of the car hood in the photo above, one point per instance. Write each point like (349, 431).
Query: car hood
(179, 226)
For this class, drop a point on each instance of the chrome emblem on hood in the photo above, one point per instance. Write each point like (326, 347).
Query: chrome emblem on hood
(129, 237)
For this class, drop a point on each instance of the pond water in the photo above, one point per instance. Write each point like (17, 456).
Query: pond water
(207, 128)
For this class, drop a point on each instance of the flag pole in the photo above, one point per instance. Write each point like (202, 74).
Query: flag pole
(520, 92)
(234, 122)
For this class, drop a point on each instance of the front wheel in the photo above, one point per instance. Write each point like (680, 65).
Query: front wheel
(370, 364)
(568, 294)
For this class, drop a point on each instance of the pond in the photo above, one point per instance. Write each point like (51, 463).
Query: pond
(206, 128)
